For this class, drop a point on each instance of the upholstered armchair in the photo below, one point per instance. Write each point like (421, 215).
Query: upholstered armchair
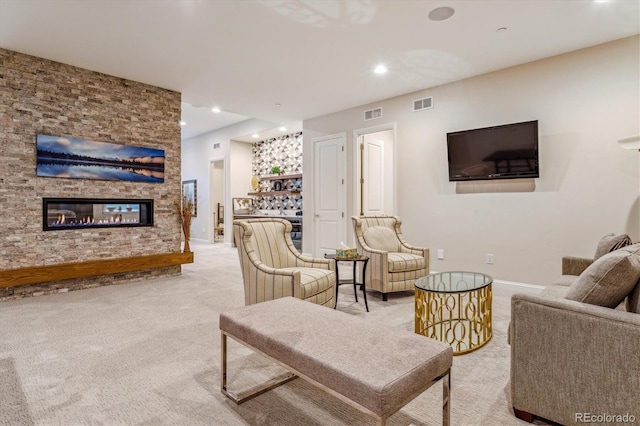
(273, 268)
(394, 264)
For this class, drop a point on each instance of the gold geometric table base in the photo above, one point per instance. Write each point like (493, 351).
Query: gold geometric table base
(462, 319)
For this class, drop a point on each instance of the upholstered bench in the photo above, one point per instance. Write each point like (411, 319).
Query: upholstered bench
(375, 369)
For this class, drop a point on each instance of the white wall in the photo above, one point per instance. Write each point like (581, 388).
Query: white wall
(241, 171)
(585, 101)
(197, 155)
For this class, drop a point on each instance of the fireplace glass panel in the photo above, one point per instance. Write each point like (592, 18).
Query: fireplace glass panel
(74, 213)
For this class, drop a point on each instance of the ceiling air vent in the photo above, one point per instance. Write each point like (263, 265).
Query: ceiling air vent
(372, 114)
(424, 103)
(216, 145)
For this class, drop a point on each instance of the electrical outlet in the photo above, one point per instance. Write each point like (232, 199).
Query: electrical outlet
(490, 259)
(440, 254)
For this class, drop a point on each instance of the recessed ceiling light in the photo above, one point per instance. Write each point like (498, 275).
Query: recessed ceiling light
(215, 109)
(441, 13)
(278, 104)
(380, 69)
(282, 129)
(183, 123)
(255, 136)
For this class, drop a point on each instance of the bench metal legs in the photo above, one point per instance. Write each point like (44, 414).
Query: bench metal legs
(242, 396)
(446, 396)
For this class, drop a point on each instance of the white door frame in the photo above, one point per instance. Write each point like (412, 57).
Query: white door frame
(316, 185)
(355, 149)
(212, 206)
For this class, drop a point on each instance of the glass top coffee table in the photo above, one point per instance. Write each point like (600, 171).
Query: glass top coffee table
(455, 308)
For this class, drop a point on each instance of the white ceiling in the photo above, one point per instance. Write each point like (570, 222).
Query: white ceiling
(283, 61)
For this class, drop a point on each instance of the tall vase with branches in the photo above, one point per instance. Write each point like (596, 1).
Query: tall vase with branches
(185, 214)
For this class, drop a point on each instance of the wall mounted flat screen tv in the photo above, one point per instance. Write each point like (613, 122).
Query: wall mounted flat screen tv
(501, 152)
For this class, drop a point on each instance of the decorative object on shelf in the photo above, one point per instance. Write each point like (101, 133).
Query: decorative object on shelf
(190, 190)
(255, 183)
(276, 170)
(59, 156)
(184, 210)
(277, 185)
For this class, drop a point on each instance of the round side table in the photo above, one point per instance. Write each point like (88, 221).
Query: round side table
(455, 308)
(355, 260)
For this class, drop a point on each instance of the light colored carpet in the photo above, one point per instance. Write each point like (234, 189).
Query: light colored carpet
(148, 353)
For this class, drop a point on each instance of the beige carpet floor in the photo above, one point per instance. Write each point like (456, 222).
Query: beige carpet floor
(148, 353)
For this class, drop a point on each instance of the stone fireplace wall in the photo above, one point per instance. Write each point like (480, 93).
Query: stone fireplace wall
(38, 96)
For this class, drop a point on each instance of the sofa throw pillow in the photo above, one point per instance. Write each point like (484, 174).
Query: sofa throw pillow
(611, 242)
(609, 279)
(633, 300)
(381, 238)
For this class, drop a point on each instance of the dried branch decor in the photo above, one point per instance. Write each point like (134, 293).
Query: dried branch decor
(185, 213)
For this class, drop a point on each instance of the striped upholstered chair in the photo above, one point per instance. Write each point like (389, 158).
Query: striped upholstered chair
(273, 268)
(394, 264)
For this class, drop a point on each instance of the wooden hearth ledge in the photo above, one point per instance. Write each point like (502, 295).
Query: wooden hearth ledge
(65, 271)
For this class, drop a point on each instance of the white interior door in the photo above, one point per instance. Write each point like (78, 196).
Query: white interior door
(372, 183)
(374, 171)
(329, 200)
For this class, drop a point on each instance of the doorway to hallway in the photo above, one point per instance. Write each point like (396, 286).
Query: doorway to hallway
(216, 200)
(374, 171)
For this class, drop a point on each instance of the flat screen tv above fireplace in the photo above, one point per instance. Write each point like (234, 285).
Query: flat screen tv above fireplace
(500, 152)
(80, 213)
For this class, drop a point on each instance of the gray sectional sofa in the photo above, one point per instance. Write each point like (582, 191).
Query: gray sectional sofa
(578, 361)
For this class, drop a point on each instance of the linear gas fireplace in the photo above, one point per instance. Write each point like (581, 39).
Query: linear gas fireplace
(74, 213)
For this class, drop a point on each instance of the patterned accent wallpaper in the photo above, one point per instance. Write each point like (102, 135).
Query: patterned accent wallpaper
(286, 152)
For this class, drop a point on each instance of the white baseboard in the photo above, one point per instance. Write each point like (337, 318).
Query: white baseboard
(513, 286)
(516, 286)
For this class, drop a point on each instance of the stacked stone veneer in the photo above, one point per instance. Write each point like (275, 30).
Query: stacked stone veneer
(38, 96)
(286, 152)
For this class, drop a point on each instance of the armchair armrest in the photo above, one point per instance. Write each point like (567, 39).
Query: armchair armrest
(574, 265)
(313, 262)
(266, 282)
(408, 248)
(569, 358)
(369, 251)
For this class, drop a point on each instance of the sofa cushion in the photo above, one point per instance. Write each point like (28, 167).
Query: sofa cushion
(609, 279)
(633, 300)
(381, 238)
(403, 262)
(611, 242)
